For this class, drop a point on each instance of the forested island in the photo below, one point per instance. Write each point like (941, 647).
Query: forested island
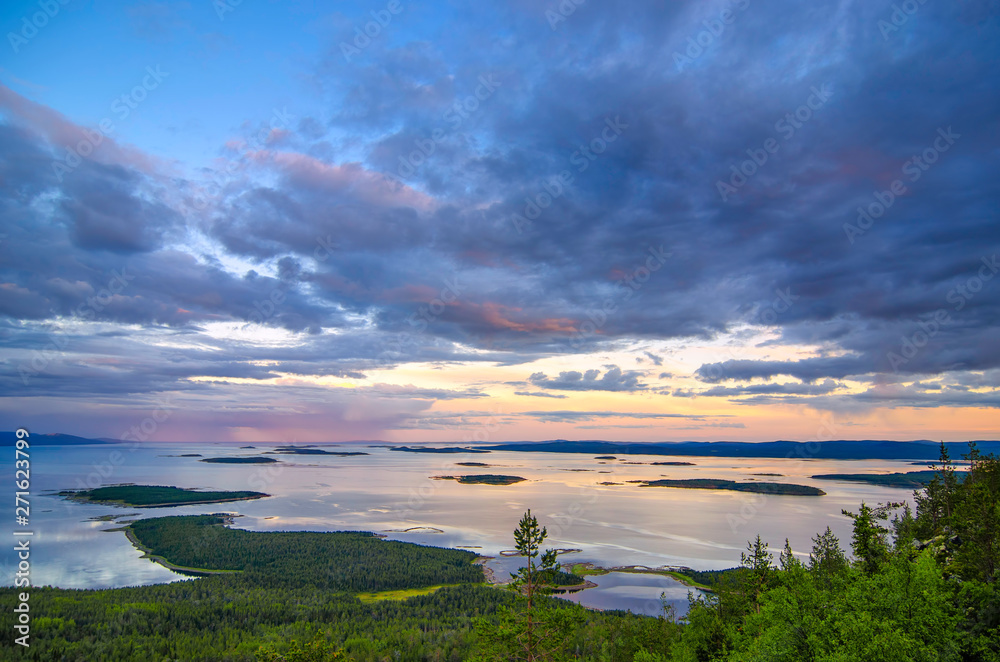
(909, 480)
(255, 459)
(483, 479)
(721, 484)
(433, 449)
(872, 449)
(302, 450)
(155, 496)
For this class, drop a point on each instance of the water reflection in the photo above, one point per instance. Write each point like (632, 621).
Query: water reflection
(639, 593)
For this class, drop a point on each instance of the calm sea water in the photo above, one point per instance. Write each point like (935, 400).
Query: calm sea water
(393, 493)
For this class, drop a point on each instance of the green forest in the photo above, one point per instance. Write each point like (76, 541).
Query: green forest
(149, 496)
(907, 586)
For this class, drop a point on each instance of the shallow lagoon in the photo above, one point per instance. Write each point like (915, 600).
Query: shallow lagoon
(385, 491)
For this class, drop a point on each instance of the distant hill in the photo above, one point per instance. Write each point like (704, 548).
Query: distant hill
(57, 439)
(823, 450)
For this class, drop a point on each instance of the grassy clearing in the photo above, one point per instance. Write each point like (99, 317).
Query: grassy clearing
(684, 579)
(402, 594)
(585, 569)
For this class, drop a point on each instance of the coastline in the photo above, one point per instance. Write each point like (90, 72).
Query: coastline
(147, 552)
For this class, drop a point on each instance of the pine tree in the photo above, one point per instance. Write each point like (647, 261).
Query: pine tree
(758, 569)
(827, 560)
(936, 502)
(532, 630)
(787, 559)
(869, 541)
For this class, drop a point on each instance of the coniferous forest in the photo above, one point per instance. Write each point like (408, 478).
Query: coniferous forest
(908, 585)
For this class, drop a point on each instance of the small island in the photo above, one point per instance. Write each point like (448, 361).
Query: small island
(605, 457)
(155, 496)
(429, 449)
(721, 484)
(239, 460)
(672, 464)
(912, 480)
(472, 464)
(483, 479)
(302, 450)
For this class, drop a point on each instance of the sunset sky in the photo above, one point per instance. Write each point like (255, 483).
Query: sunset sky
(493, 221)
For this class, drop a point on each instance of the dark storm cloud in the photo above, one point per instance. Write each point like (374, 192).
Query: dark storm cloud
(640, 244)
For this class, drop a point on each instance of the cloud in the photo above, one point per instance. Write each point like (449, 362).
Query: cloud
(539, 394)
(808, 370)
(790, 388)
(569, 416)
(612, 380)
(312, 257)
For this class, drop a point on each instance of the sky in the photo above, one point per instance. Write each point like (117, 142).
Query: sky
(254, 220)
